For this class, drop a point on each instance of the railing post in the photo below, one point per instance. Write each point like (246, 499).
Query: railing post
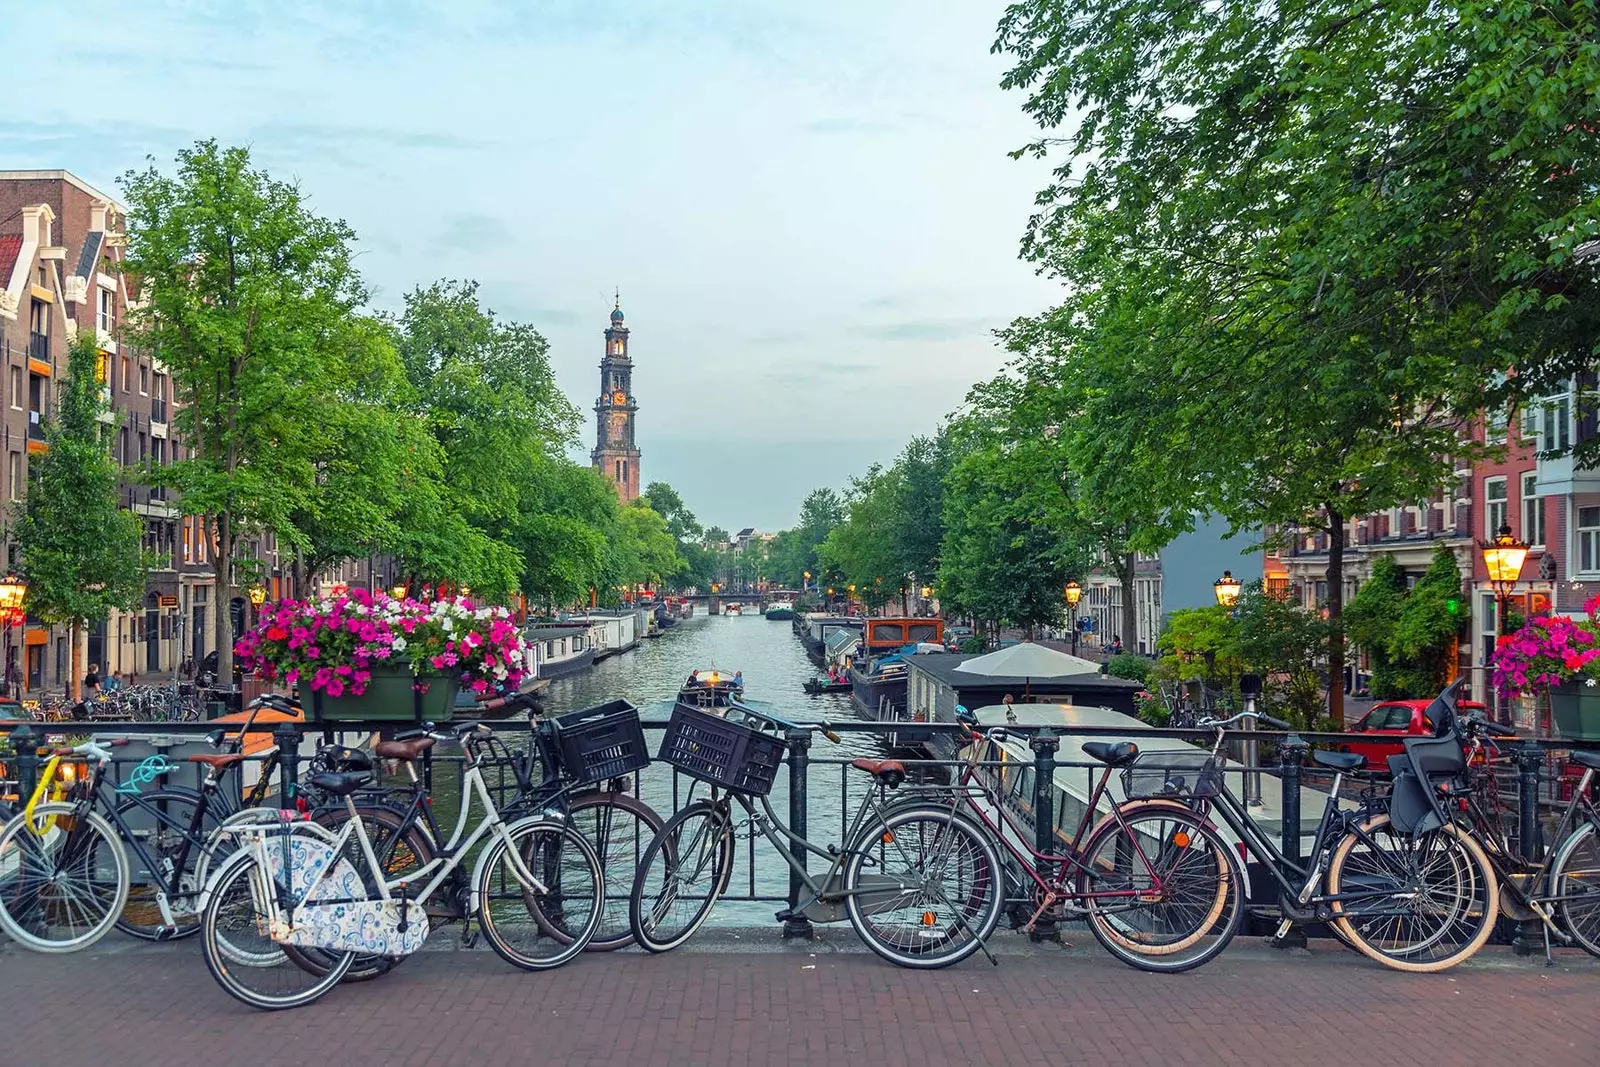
(797, 925)
(27, 760)
(1292, 759)
(1044, 745)
(288, 739)
(1530, 760)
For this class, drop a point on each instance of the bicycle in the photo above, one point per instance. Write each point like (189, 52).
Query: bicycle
(618, 825)
(1561, 889)
(288, 914)
(1160, 889)
(927, 874)
(1397, 880)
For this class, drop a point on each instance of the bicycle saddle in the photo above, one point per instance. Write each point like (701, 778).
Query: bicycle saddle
(1585, 758)
(1339, 761)
(341, 785)
(1111, 753)
(403, 750)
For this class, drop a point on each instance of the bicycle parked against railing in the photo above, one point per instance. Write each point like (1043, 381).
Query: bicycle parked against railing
(576, 765)
(1161, 890)
(1396, 878)
(921, 884)
(1561, 888)
(288, 914)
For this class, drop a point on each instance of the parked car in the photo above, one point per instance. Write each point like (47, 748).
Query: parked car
(1388, 723)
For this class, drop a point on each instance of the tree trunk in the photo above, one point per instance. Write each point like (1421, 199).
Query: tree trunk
(1335, 614)
(223, 625)
(1130, 613)
(75, 682)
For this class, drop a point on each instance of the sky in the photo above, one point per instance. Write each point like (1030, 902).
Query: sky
(809, 208)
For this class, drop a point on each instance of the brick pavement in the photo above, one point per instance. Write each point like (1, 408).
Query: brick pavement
(715, 1007)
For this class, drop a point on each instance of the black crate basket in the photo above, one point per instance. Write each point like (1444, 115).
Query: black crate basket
(726, 754)
(1172, 773)
(600, 742)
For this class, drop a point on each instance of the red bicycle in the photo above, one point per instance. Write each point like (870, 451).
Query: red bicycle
(1158, 886)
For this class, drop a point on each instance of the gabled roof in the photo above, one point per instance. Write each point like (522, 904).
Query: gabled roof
(10, 246)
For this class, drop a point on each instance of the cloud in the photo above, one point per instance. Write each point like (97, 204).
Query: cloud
(928, 330)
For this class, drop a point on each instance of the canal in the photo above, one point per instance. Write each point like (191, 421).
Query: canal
(775, 666)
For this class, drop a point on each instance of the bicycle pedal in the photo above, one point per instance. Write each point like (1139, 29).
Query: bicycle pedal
(469, 937)
(784, 916)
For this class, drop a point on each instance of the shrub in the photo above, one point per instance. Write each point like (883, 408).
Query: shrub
(1129, 665)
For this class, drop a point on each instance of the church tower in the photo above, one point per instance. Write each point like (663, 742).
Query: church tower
(616, 454)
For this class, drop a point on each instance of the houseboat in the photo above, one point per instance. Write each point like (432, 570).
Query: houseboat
(878, 669)
(780, 610)
(560, 648)
(610, 632)
(815, 628)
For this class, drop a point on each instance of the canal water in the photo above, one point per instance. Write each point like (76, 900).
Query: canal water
(775, 665)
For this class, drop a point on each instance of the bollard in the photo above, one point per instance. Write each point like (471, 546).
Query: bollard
(1044, 745)
(1530, 760)
(24, 744)
(797, 925)
(1292, 759)
(288, 740)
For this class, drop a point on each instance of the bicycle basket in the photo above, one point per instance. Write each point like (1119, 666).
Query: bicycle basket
(600, 742)
(1172, 773)
(721, 752)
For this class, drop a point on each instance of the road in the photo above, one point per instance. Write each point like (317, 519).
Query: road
(747, 999)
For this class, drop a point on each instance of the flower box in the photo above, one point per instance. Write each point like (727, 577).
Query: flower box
(393, 694)
(1575, 710)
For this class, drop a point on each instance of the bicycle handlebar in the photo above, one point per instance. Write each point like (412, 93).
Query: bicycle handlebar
(1213, 724)
(825, 728)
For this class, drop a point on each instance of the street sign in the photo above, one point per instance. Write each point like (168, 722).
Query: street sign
(169, 601)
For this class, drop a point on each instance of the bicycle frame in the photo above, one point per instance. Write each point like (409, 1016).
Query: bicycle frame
(1522, 876)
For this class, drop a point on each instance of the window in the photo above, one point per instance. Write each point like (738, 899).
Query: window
(127, 375)
(144, 447)
(16, 388)
(1494, 506)
(1588, 540)
(1557, 433)
(122, 445)
(144, 379)
(14, 475)
(108, 311)
(159, 453)
(1495, 433)
(1532, 511)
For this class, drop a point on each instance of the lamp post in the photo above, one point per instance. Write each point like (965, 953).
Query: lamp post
(1503, 558)
(398, 590)
(1227, 589)
(13, 593)
(1074, 593)
(805, 582)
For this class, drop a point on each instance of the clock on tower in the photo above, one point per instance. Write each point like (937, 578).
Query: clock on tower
(616, 454)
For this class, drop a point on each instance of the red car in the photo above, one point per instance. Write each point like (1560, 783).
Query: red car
(1388, 723)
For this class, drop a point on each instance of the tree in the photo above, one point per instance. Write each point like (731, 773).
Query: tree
(649, 552)
(1410, 634)
(681, 522)
(80, 552)
(245, 288)
(716, 535)
(1287, 645)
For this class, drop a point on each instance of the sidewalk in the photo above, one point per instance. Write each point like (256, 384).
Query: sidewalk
(736, 1001)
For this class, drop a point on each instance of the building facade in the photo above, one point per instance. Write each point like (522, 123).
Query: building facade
(616, 451)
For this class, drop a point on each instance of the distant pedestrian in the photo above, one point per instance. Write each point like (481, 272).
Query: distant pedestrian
(113, 684)
(738, 679)
(91, 681)
(1116, 646)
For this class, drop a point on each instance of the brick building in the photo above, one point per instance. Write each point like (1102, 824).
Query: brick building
(616, 452)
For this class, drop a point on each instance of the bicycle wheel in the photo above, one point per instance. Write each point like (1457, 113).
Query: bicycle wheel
(924, 887)
(1575, 883)
(1162, 890)
(683, 872)
(620, 827)
(240, 954)
(400, 849)
(164, 832)
(532, 927)
(1418, 903)
(61, 889)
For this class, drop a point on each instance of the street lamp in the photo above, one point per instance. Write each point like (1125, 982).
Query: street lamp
(13, 592)
(1074, 593)
(258, 595)
(1503, 558)
(1227, 589)
(805, 581)
(398, 590)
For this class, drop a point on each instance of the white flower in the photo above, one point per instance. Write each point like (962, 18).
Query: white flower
(398, 644)
(447, 624)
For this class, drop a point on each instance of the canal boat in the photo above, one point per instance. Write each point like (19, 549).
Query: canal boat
(732, 609)
(710, 690)
(610, 632)
(815, 628)
(878, 669)
(561, 648)
(780, 610)
(819, 686)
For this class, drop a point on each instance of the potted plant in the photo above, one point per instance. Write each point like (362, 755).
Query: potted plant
(1560, 656)
(369, 656)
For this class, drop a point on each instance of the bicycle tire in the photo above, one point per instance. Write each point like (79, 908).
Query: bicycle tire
(553, 843)
(709, 841)
(619, 852)
(228, 900)
(1138, 936)
(164, 840)
(21, 906)
(1580, 919)
(915, 936)
(1471, 872)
